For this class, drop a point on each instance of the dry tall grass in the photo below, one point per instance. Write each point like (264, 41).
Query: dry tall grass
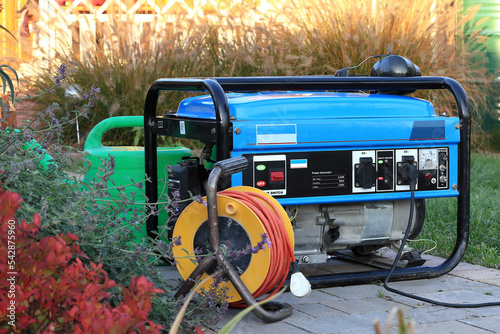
(435, 35)
(296, 37)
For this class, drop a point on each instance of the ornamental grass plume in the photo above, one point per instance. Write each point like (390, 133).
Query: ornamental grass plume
(292, 37)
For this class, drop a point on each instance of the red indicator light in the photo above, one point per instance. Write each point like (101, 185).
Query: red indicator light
(277, 176)
(428, 176)
(261, 183)
(380, 178)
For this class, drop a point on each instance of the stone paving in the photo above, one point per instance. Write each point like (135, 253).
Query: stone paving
(353, 309)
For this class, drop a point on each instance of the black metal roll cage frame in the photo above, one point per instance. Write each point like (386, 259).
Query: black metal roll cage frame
(219, 131)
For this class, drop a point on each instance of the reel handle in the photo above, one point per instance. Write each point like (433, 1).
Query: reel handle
(232, 165)
(225, 168)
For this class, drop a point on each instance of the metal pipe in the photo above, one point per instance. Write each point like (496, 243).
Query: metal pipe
(463, 199)
(222, 119)
(220, 170)
(302, 83)
(150, 157)
(213, 221)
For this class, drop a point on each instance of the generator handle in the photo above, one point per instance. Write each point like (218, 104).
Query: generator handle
(232, 165)
(192, 85)
(150, 142)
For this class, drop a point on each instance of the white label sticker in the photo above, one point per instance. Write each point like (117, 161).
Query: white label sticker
(182, 127)
(298, 163)
(277, 134)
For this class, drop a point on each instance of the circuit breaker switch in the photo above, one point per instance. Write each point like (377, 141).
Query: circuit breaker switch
(277, 176)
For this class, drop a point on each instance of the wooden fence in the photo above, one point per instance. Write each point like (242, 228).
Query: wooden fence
(22, 17)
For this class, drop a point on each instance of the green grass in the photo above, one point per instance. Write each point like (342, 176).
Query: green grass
(484, 242)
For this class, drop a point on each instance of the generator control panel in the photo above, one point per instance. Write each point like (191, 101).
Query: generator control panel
(346, 172)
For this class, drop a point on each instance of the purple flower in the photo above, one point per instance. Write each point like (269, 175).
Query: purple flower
(62, 70)
(154, 210)
(261, 245)
(7, 109)
(92, 96)
(112, 162)
(177, 241)
(176, 195)
(61, 76)
(200, 199)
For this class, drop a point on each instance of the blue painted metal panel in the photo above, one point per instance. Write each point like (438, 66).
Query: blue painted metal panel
(304, 105)
(285, 122)
(347, 133)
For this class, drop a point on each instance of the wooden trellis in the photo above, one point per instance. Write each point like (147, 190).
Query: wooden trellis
(84, 16)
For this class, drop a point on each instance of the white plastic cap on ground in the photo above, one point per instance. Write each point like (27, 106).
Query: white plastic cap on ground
(299, 285)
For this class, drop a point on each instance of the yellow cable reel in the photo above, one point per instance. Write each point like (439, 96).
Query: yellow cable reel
(270, 199)
(238, 226)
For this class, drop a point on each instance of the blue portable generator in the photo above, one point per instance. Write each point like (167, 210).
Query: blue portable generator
(348, 160)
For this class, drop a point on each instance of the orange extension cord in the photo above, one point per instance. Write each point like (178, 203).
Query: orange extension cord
(280, 248)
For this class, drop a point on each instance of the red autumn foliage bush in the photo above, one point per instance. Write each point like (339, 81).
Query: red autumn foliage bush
(46, 288)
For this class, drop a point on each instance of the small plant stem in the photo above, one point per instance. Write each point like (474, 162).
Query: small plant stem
(177, 322)
(116, 248)
(135, 203)
(125, 186)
